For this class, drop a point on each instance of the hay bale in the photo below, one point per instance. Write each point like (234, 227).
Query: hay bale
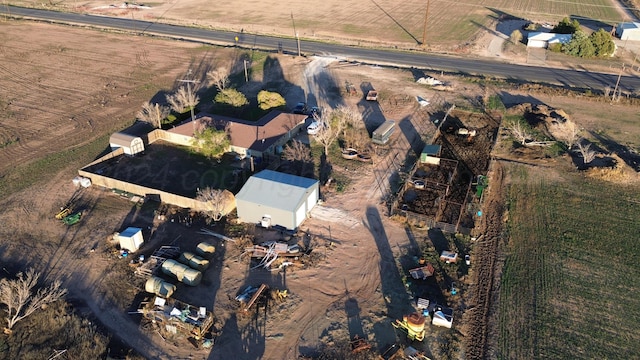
(205, 250)
(194, 261)
(157, 286)
(191, 276)
(182, 272)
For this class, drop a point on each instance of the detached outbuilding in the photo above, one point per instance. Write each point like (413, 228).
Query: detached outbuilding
(544, 39)
(431, 154)
(130, 239)
(628, 31)
(273, 198)
(130, 144)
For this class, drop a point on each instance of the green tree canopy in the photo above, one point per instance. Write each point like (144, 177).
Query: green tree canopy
(231, 97)
(211, 142)
(580, 45)
(566, 26)
(516, 36)
(602, 43)
(269, 100)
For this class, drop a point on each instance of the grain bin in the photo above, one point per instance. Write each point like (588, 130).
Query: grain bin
(205, 250)
(181, 272)
(194, 261)
(157, 286)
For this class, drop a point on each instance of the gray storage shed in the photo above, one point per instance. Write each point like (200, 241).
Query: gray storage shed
(273, 198)
(129, 143)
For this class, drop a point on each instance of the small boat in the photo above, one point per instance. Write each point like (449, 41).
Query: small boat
(349, 153)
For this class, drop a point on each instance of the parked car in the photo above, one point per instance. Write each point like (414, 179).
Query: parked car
(314, 111)
(314, 128)
(301, 108)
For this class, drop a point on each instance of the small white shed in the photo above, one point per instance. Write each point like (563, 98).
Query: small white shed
(130, 239)
(543, 39)
(628, 31)
(130, 144)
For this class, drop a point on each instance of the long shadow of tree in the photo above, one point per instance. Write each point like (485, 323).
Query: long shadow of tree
(393, 290)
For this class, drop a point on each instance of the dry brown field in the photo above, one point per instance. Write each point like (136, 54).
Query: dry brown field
(451, 26)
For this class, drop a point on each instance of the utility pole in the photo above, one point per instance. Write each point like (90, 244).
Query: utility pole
(615, 90)
(246, 74)
(191, 97)
(424, 29)
(295, 33)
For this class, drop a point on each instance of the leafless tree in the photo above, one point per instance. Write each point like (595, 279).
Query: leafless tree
(153, 114)
(215, 200)
(330, 129)
(353, 132)
(350, 117)
(219, 77)
(299, 156)
(585, 150)
(519, 131)
(297, 151)
(568, 132)
(20, 300)
(185, 98)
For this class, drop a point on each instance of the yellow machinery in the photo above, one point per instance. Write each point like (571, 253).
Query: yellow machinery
(413, 324)
(64, 212)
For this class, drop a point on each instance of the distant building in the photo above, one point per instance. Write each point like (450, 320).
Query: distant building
(130, 144)
(544, 39)
(271, 198)
(628, 31)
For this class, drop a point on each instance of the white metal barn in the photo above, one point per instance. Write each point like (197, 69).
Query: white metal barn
(543, 39)
(628, 31)
(129, 143)
(272, 198)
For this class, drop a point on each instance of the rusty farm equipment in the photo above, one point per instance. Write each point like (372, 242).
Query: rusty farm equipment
(413, 325)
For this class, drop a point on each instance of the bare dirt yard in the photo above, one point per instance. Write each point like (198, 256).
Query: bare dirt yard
(64, 90)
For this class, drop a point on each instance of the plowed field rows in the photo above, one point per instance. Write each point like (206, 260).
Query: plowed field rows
(84, 88)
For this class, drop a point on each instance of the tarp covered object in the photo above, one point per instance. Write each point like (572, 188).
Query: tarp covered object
(181, 272)
(159, 287)
(205, 249)
(194, 261)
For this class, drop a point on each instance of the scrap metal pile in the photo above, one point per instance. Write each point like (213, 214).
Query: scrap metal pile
(175, 319)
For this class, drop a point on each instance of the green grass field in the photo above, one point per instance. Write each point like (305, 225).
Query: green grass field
(569, 286)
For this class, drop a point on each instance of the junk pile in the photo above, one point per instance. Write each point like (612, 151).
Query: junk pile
(149, 267)
(254, 295)
(173, 318)
(250, 296)
(268, 253)
(422, 272)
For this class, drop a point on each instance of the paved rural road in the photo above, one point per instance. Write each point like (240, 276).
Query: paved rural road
(571, 78)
